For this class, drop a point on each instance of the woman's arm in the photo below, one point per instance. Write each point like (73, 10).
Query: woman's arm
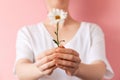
(44, 65)
(68, 60)
(94, 71)
(26, 70)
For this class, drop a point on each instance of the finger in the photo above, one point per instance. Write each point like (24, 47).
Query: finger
(47, 65)
(61, 46)
(70, 71)
(66, 63)
(65, 68)
(45, 59)
(66, 51)
(46, 53)
(68, 57)
(49, 71)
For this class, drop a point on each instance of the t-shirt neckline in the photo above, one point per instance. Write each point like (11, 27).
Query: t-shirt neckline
(74, 37)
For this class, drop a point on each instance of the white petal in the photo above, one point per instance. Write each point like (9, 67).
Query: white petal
(57, 12)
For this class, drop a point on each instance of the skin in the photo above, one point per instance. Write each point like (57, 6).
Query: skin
(61, 57)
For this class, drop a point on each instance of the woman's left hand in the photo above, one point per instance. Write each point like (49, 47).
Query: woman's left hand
(67, 59)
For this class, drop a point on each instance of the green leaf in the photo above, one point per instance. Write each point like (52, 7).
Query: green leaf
(55, 41)
(56, 33)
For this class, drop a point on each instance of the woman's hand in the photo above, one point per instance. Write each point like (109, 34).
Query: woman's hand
(61, 57)
(45, 62)
(67, 59)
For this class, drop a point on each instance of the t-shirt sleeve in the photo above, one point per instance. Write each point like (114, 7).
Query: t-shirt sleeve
(23, 45)
(97, 50)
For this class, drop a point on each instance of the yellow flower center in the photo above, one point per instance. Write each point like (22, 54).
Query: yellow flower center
(57, 17)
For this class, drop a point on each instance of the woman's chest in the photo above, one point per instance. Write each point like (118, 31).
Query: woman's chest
(43, 43)
(64, 34)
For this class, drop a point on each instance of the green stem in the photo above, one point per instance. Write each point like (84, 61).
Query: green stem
(58, 34)
(57, 41)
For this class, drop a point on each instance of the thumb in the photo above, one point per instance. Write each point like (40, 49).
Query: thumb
(61, 46)
(68, 73)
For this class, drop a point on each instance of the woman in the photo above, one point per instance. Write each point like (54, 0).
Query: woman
(81, 56)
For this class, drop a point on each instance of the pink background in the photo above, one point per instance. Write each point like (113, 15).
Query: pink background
(16, 13)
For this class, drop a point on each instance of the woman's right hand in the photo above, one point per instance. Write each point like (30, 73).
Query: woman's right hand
(45, 62)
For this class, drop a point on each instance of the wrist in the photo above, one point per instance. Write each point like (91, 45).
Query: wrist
(77, 70)
(38, 71)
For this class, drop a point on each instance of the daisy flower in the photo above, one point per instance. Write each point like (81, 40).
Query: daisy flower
(57, 17)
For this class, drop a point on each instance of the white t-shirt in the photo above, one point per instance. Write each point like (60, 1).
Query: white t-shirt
(88, 42)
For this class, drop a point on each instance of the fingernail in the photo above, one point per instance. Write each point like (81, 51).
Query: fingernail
(57, 50)
(56, 65)
(61, 46)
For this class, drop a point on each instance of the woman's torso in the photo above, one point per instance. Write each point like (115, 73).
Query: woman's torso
(42, 40)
